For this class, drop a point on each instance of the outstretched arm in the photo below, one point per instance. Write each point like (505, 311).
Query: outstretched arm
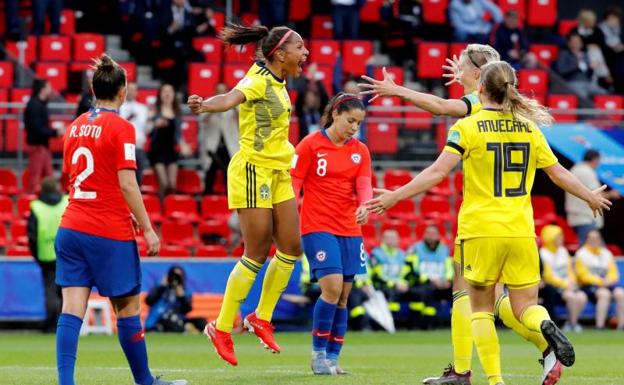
(217, 103)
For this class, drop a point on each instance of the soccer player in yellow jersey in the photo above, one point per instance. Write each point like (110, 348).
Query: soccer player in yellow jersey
(259, 184)
(502, 147)
(466, 70)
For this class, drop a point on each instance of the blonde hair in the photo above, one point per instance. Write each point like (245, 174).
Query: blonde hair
(480, 54)
(499, 81)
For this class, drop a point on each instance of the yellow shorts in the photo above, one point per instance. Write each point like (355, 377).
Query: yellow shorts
(512, 261)
(251, 186)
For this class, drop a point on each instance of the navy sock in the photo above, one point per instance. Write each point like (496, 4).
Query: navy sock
(339, 329)
(67, 332)
(132, 341)
(321, 324)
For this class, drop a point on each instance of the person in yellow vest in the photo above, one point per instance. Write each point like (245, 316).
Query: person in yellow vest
(43, 223)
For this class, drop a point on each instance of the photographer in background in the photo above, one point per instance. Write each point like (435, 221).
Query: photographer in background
(169, 304)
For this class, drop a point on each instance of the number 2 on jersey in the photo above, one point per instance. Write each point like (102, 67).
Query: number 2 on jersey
(503, 163)
(78, 193)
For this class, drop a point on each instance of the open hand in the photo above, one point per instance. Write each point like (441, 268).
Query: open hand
(453, 70)
(385, 87)
(598, 203)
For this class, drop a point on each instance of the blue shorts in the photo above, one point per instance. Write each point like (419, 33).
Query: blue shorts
(333, 254)
(84, 260)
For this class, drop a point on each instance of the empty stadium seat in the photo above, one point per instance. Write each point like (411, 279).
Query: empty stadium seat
(395, 72)
(383, 138)
(181, 208)
(404, 210)
(54, 48)
(563, 102)
(570, 239)
(301, 12)
(23, 205)
(147, 96)
(541, 13)
(610, 102)
(356, 54)
(180, 234)
(233, 73)
(150, 182)
(322, 27)
(211, 47)
(6, 209)
(131, 70)
(211, 251)
(215, 207)
(214, 232)
(6, 75)
(190, 134)
(455, 91)
(370, 11)
(458, 182)
(544, 208)
(4, 241)
(435, 11)
(517, 5)
(29, 46)
(387, 102)
(18, 251)
(174, 251)
(431, 58)
(203, 78)
(240, 53)
(566, 25)
(153, 208)
(435, 207)
(8, 182)
(87, 46)
(546, 53)
(615, 250)
(19, 233)
(4, 98)
(324, 73)
(324, 52)
(238, 251)
(395, 178)
(189, 182)
(443, 188)
(369, 230)
(533, 81)
(55, 73)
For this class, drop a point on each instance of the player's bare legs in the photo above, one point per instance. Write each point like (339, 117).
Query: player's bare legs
(163, 180)
(286, 234)
(172, 175)
(75, 300)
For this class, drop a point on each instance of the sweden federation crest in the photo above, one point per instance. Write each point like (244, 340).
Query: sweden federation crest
(265, 192)
(356, 158)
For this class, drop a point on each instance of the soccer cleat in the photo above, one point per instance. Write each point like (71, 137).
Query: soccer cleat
(158, 381)
(558, 342)
(320, 365)
(552, 369)
(450, 377)
(339, 371)
(222, 342)
(263, 330)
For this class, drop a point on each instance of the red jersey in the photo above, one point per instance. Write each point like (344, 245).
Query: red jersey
(97, 145)
(329, 173)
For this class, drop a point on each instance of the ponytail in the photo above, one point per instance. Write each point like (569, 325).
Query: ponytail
(528, 108)
(341, 102)
(268, 41)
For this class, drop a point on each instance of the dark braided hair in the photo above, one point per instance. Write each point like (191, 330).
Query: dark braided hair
(236, 34)
(341, 102)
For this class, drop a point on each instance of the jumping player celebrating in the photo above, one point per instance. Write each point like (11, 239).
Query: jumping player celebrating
(334, 170)
(95, 244)
(502, 147)
(259, 184)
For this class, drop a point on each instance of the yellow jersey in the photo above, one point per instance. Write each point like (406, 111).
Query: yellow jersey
(472, 102)
(501, 155)
(264, 119)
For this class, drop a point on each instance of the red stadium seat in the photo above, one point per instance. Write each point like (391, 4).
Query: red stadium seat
(356, 54)
(215, 231)
(68, 23)
(570, 239)
(181, 208)
(435, 207)
(546, 53)
(394, 179)
(610, 103)
(434, 11)
(324, 51)
(211, 47)
(190, 132)
(54, 48)
(6, 209)
(395, 72)
(179, 234)
(455, 91)
(615, 250)
(153, 208)
(215, 207)
(443, 188)
(301, 12)
(174, 251)
(387, 102)
(18, 233)
(542, 13)
(232, 74)
(203, 78)
(250, 19)
(29, 46)
(18, 251)
(370, 11)
(369, 230)
(240, 53)
(324, 73)
(383, 138)
(456, 49)
(544, 208)
(535, 81)
(211, 251)
(20, 95)
(517, 5)
(55, 73)
(404, 210)
(8, 182)
(4, 241)
(563, 102)
(566, 25)
(88, 46)
(6, 74)
(458, 182)
(218, 21)
(150, 182)
(189, 182)
(23, 205)
(431, 58)
(4, 98)
(147, 96)
(238, 251)
(322, 27)
(131, 70)
(13, 129)
(418, 120)
(458, 203)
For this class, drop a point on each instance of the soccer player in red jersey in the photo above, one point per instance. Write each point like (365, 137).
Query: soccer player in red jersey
(95, 244)
(334, 170)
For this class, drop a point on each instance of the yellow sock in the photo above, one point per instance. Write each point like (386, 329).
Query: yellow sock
(533, 317)
(461, 332)
(505, 313)
(275, 281)
(486, 340)
(238, 285)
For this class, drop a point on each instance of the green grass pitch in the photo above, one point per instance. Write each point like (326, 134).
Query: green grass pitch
(372, 358)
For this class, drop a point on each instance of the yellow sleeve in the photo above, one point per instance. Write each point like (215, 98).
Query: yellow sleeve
(457, 141)
(585, 277)
(545, 156)
(551, 279)
(253, 87)
(473, 104)
(613, 275)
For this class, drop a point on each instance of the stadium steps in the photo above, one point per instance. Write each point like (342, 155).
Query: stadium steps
(145, 77)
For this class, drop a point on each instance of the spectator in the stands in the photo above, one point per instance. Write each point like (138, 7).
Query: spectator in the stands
(38, 134)
(575, 66)
(12, 20)
(308, 108)
(43, 224)
(178, 28)
(346, 18)
(351, 87)
(600, 279)
(468, 19)
(579, 215)
(614, 52)
(402, 22)
(595, 46)
(53, 9)
(218, 141)
(305, 85)
(204, 21)
(510, 40)
(561, 286)
(166, 139)
(274, 13)
(137, 114)
(86, 98)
